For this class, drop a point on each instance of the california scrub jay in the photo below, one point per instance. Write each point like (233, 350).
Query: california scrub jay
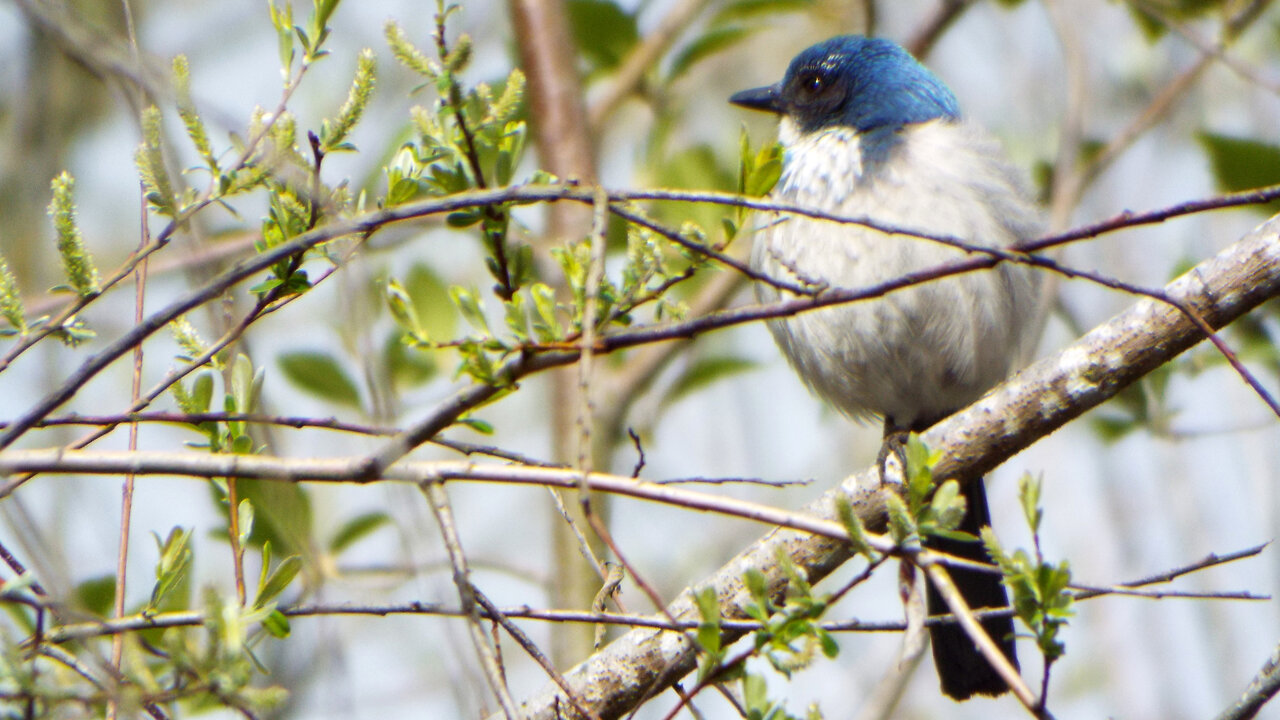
(869, 132)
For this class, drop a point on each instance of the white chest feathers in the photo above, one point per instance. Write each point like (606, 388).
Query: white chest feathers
(917, 354)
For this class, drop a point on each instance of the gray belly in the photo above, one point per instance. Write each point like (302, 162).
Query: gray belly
(913, 355)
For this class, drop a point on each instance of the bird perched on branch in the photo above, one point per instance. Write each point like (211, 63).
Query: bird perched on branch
(868, 132)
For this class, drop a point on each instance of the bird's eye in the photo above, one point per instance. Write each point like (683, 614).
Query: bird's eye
(811, 86)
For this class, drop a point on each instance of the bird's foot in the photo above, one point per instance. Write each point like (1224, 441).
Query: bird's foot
(892, 460)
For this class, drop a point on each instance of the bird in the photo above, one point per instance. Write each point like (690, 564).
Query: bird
(869, 132)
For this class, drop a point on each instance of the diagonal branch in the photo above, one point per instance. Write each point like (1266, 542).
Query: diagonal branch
(1262, 688)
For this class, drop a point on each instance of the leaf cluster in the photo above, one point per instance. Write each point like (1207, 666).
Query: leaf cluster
(929, 509)
(1041, 599)
(788, 640)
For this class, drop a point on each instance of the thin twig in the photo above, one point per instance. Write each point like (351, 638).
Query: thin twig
(126, 495)
(530, 647)
(1208, 561)
(614, 576)
(1209, 48)
(1066, 165)
(493, 673)
(584, 412)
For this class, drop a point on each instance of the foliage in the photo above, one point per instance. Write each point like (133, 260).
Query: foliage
(454, 168)
(788, 639)
(1041, 598)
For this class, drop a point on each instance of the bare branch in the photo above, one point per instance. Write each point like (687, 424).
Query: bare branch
(492, 666)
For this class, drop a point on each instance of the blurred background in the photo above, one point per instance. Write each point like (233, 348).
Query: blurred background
(1185, 102)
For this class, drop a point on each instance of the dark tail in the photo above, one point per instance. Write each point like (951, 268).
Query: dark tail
(961, 668)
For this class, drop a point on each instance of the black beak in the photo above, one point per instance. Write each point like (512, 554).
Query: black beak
(762, 98)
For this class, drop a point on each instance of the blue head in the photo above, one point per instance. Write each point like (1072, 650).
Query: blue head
(868, 84)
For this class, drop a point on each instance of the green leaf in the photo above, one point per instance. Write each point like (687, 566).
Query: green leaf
(709, 628)
(704, 371)
(750, 9)
(356, 529)
(705, 46)
(466, 302)
(764, 170)
(242, 445)
(757, 585)
(172, 587)
(278, 581)
(282, 515)
(517, 317)
(854, 526)
(546, 325)
(902, 527)
(401, 190)
(430, 297)
(1243, 164)
(246, 384)
(996, 550)
(323, 11)
(755, 693)
(198, 397)
(947, 507)
(401, 307)
(510, 150)
(829, 646)
(282, 20)
(919, 470)
(320, 374)
(602, 31)
(277, 624)
(96, 595)
(202, 391)
(483, 427)
(463, 218)
(1029, 494)
(521, 264)
(264, 569)
(408, 366)
(244, 520)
